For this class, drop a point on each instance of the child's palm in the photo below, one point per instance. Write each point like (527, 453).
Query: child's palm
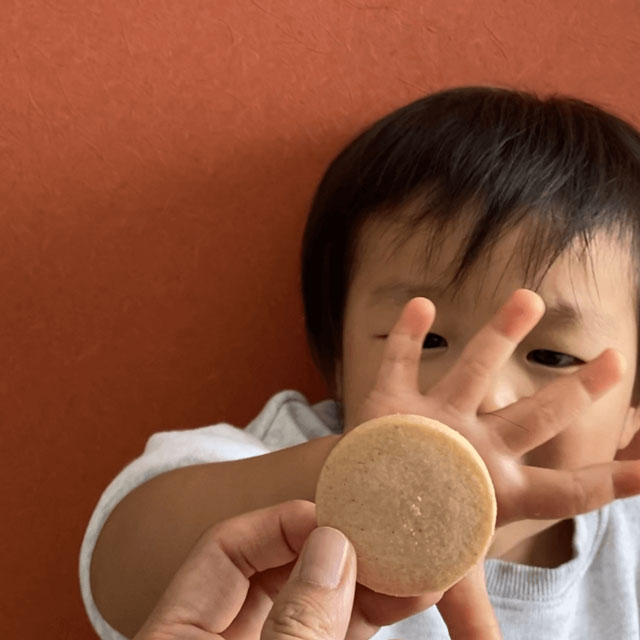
(504, 436)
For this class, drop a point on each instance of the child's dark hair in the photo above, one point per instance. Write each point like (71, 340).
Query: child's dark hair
(560, 162)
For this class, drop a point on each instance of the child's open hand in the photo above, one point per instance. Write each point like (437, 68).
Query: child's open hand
(504, 436)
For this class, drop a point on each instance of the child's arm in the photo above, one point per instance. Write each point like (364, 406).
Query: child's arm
(150, 532)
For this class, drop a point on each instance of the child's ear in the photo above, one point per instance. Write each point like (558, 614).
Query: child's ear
(629, 448)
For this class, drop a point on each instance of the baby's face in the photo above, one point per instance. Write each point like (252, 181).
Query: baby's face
(602, 288)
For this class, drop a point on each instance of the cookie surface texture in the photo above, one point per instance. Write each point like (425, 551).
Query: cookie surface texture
(415, 499)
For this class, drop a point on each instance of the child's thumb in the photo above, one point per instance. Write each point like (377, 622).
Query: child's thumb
(316, 602)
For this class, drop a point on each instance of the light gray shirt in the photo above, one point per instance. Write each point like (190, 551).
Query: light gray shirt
(596, 595)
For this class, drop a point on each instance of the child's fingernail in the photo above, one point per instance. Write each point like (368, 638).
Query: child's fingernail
(323, 557)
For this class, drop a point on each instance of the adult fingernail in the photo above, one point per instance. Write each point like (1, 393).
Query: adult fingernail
(324, 557)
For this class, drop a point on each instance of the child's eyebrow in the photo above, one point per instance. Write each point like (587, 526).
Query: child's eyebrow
(560, 313)
(564, 313)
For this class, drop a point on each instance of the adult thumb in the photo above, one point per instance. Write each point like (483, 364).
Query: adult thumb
(316, 601)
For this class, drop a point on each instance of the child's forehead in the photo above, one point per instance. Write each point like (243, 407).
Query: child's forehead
(388, 252)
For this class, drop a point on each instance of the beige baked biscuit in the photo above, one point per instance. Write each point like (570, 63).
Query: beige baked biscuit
(415, 499)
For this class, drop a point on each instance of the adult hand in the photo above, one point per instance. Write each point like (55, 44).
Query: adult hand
(239, 582)
(503, 437)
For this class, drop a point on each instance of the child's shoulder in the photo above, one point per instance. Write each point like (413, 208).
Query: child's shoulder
(289, 419)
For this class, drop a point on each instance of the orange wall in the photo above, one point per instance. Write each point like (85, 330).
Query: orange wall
(156, 163)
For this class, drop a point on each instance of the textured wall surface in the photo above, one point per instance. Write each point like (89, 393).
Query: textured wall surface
(156, 162)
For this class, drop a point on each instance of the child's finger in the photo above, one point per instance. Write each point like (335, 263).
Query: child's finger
(467, 611)
(464, 387)
(532, 421)
(551, 494)
(398, 370)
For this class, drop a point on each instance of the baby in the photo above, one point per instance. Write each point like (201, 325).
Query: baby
(464, 197)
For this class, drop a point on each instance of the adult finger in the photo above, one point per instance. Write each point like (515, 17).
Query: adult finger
(466, 384)
(532, 421)
(467, 611)
(372, 610)
(560, 493)
(264, 589)
(398, 370)
(316, 602)
(209, 589)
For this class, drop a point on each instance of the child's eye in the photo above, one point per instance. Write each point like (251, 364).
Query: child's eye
(553, 358)
(434, 341)
(541, 356)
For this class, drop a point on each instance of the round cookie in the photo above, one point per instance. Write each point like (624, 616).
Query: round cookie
(415, 499)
